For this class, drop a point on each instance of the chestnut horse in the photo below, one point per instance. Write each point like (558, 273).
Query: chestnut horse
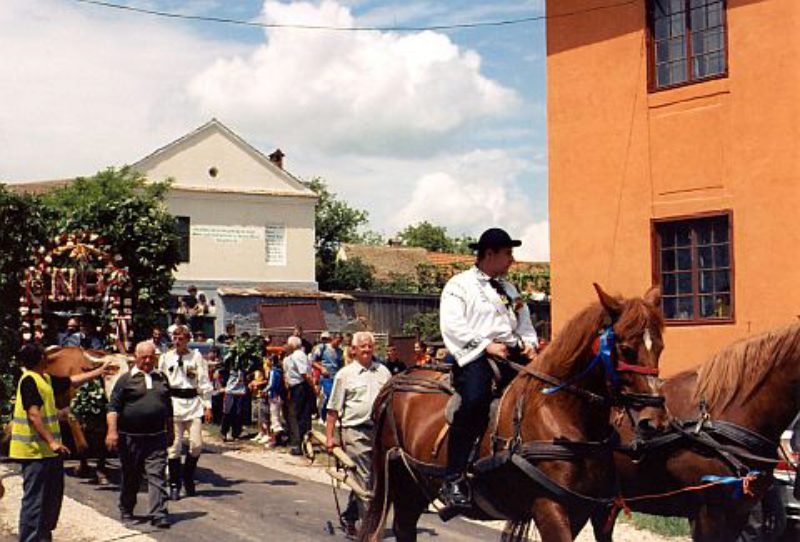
(754, 384)
(567, 433)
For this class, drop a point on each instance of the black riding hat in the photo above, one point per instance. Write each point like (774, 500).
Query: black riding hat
(495, 238)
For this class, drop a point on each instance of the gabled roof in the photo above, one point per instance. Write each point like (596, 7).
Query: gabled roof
(386, 260)
(185, 142)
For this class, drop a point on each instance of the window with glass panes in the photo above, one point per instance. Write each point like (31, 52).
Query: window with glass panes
(695, 270)
(687, 41)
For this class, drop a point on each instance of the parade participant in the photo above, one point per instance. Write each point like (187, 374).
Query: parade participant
(72, 335)
(276, 391)
(297, 371)
(393, 361)
(480, 315)
(421, 356)
(36, 442)
(190, 388)
(139, 420)
(354, 391)
(328, 359)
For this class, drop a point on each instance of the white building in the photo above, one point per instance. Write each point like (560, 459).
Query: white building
(246, 223)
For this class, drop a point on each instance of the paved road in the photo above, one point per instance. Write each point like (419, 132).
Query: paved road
(239, 500)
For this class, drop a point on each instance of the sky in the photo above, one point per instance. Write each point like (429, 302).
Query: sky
(447, 126)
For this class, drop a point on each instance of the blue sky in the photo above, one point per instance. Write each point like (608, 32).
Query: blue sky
(447, 126)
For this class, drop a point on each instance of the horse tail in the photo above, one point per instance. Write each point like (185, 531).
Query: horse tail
(516, 531)
(372, 524)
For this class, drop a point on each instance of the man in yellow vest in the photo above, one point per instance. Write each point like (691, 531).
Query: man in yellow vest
(36, 442)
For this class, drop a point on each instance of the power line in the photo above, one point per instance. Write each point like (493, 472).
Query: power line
(456, 26)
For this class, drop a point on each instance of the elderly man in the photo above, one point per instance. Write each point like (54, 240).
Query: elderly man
(297, 371)
(190, 387)
(36, 442)
(481, 315)
(139, 419)
(354, 391)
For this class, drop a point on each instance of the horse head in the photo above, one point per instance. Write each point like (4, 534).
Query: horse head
(121, 363)
(633, 340)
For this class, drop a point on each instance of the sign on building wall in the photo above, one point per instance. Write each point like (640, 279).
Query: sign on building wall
(228, 234)
(275, 238)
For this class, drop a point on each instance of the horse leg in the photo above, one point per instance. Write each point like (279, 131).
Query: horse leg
(714, 523)
(603, 523)
(552, 521)
(408, 503)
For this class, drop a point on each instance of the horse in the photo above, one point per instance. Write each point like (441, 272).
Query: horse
(753, 384)
(547, 456)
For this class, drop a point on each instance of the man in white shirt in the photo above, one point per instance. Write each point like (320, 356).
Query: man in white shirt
(353, 393)
(480, 315)
(190, 388)
(297, 372)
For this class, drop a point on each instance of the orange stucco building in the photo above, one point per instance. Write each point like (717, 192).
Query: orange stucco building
(674, 128)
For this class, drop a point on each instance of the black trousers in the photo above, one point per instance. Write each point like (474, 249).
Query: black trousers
(301, 405)
(42, 492)
(233, 414)
(143, 454)
(473, 382)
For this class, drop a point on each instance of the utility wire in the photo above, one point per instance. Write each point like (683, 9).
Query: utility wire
(225, 20)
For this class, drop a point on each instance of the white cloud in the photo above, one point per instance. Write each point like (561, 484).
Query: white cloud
(475, 191)
(353, 92)
(84, 87)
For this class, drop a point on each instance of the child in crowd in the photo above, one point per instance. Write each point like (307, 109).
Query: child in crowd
(258, 389)
(276, 395)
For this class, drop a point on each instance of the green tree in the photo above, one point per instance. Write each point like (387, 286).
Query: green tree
(425, 325)
(352, 274)
(335, 223)
(24, 226)
(130, 213)
(426, 235)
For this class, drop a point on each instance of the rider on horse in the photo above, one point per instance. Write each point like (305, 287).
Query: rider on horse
(481, 315)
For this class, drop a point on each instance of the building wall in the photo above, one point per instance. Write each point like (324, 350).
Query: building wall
(227, 242)
(621, 156)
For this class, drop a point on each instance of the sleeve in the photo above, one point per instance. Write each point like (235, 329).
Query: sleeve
(162, 363)
(336, 398)
(115, 401)
(524, 328)
(458, 336)
(61, 384)
(204, 385)
(29, 393)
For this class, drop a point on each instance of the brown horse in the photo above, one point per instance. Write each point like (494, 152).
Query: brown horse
(754, 384)
(411, 425)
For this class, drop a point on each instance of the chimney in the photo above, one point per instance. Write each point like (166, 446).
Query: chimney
(277, 158)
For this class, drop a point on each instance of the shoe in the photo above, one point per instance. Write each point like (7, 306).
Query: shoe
(296, 451)
(257, 438)
(175, 478)
(125, 516)
(454, 494)
(350, 529)
(160, 522)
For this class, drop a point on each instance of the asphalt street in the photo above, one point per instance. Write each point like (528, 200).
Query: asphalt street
(239, 500)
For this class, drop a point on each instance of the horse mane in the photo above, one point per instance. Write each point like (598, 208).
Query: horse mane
(740, 370)
(580, 331)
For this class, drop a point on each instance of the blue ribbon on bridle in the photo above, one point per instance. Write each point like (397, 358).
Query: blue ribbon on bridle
(736, 482)
(604, 355)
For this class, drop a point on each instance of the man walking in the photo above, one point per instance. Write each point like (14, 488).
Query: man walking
(297, 371)
(139, 419)
(354, 391)
(187, 376)
(36, 442)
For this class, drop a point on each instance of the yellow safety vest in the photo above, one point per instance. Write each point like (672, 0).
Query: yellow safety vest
(25, 441)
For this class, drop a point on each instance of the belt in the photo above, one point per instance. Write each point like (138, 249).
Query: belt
(183, 393)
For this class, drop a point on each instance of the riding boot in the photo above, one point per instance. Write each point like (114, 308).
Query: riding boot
(174, 478)
(455, 496)
(188, 475)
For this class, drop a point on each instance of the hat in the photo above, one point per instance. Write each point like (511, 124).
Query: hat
(324, 335)
(495, 238)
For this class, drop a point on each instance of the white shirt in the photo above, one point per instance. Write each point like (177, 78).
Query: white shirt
(472, 315)
(354, 391)
(192, 373)
(295, 365)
